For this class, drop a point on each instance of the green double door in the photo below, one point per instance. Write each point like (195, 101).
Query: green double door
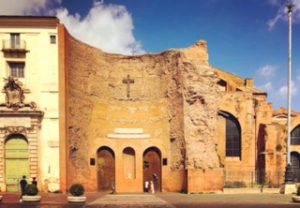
(16, 162)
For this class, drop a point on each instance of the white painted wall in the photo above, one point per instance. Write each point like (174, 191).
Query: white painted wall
(41, 78)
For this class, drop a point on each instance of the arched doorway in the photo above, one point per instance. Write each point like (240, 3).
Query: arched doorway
(295, 162)
(152, 167)
(106, 169)
(16, 161)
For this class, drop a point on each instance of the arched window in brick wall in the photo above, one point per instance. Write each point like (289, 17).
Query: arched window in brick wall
(295, 136)
(233, 135)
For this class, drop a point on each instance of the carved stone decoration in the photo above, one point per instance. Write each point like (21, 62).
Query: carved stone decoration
(14, 95)
(16, 129)
(8, 130)
(14, 92)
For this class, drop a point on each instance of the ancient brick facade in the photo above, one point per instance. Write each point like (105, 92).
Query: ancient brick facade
(120, 122)
(172, 103)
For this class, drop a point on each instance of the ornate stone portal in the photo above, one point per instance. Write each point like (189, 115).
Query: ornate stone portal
(18, 120)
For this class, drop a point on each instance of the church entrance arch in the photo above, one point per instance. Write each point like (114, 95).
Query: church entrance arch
(105, 169)
(152, 167)
(16, 161)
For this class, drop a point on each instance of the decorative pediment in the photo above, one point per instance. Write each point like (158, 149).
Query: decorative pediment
(16, 129)
(14, 94)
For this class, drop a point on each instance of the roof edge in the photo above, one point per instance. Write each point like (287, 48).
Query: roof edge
(28, 21)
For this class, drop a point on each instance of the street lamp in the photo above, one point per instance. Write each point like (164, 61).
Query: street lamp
(289, 171)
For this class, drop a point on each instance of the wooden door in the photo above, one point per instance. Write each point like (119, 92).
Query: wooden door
(152, 167)
(16, 162)
(106, 169)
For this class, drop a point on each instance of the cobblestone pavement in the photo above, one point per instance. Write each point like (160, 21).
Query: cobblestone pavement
(130, 200)
(49, 200)
(169, 200)
(265, 200)
(161, 200)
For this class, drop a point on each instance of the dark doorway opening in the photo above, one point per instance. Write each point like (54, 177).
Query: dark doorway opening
(106, 169)
(152, 167)
(295, 162)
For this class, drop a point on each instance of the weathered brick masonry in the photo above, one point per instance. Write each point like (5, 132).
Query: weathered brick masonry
(171, 104)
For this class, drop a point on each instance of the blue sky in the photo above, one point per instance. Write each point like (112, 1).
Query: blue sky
(245, 37)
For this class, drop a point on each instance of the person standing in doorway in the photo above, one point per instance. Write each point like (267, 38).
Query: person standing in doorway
(34, 182)
(146, 186)
(152, 190)
(155, 181)
(23, 184)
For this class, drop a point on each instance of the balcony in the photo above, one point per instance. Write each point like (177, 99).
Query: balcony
(10, 45)
(14, 49)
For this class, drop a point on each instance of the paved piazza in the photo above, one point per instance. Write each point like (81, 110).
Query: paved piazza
(127, 200)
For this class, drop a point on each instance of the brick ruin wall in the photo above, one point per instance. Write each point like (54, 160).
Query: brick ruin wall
(183, 78)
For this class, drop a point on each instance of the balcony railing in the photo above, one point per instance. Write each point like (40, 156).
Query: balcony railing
(11, 46)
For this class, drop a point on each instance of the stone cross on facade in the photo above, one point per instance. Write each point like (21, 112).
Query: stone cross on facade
(128, 81)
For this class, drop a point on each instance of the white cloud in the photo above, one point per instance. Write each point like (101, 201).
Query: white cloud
(25, 7)
(283, 90)
(280, 16)
(282, 13)
(268, 86)
(272, 22)
(274, 2)
(266, 71)
(108, 27)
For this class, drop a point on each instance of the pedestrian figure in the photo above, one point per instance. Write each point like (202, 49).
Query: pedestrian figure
(155, 181)
(146, 186)
(113, 188)
(152, 187)
(34, 182)
(23, 184)
(155, 177)
(261, 187)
